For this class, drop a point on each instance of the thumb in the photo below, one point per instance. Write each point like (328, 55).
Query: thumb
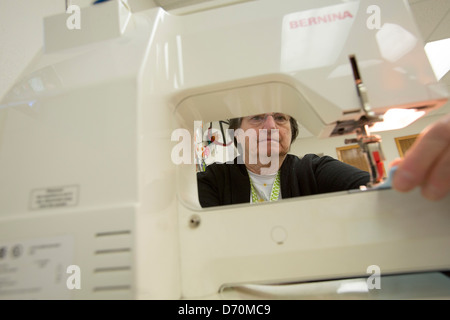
(395, 162)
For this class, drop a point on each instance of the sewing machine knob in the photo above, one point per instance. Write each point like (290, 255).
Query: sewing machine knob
(279, 235)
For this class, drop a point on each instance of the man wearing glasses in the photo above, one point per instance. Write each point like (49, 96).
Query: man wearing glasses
(264, 171)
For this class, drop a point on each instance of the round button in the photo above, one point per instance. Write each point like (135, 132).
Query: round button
(279, 235)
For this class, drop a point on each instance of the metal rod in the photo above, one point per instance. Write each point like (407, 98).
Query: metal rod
(355, 69)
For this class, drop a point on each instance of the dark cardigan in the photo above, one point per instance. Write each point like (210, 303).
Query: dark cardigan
(228, 183)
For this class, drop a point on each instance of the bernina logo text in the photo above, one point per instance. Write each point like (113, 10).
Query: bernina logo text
(326, 18)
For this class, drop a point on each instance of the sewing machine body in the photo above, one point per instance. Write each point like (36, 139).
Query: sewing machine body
(87, 175)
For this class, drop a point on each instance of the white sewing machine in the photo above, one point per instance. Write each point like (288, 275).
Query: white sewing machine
(91, 194)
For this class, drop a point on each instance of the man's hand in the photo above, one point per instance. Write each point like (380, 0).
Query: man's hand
(427, 162)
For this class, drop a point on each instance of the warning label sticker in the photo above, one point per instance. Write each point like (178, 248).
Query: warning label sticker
(54, 197)
(36, 268)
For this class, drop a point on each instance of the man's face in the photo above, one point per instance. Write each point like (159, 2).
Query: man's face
(270, 131)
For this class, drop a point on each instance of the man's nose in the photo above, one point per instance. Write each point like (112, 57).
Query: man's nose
(269, 122)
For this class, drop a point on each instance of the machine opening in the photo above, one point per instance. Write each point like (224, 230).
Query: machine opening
(249, 160)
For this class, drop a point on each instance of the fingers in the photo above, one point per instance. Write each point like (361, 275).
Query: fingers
(427, 163)
(395, 162)
(437, 185)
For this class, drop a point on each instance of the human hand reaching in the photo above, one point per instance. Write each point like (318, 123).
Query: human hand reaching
(427, 163)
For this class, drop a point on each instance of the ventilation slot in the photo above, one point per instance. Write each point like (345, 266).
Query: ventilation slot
(113, 272)
(112, 288)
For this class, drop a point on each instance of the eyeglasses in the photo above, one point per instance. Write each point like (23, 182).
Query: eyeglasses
(279, 118)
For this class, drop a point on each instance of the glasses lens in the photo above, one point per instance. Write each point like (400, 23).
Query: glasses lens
(279, 118)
